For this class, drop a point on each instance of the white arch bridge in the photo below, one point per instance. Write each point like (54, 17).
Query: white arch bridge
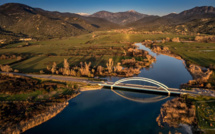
(157, 86)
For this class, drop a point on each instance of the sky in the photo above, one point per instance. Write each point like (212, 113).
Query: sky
(151, 7)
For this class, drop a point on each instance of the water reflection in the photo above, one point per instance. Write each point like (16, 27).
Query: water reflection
(141, 99)
(106, 111)
(167, 70)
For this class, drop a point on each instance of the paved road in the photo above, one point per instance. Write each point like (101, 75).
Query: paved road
(52, 77)
(204, 92)
(75, 79)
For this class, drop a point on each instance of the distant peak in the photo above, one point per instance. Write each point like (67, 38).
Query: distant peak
(8, 5)
(173, 13)
(132, 11)
(83, 14)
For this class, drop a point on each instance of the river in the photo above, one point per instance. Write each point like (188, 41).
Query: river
(104, 112)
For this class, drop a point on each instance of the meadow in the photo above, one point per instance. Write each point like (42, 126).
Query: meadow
(202, 54)
(95, 47)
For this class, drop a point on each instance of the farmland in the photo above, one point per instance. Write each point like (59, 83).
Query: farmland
(96, 47)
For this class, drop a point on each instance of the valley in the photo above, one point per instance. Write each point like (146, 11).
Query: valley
(52, 63)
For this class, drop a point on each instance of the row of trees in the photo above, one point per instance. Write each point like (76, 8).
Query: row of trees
(85, 69)
(4, 57)
(208, 38)
(7, 68)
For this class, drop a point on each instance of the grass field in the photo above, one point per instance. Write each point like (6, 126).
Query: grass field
(206, 115)
(198, 53)
(97, 49)
(202, 54)
(7, 61)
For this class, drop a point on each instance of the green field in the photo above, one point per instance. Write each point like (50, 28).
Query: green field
(97, 49)
(202, 54)
(7, 61)
(198, 53)
(206, 114)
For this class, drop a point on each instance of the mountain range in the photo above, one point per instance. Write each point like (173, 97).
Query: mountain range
(36, 22)
(120, 17)
(21, 20)
(199, 17)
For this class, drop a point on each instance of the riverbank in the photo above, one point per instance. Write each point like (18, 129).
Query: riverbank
(176, 112)
(201, 75)
(86, 88)
(197, 54)
(34, 102)
(24, 125)
(90, 88)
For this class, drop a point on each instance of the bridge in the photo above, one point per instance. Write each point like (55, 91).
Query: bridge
(156, 86)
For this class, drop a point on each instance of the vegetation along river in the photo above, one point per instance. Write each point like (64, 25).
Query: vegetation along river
(103, 111)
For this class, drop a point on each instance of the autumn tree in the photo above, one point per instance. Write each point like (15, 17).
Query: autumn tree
(6, 68)
(118, 67)
(66, 64)
(72, 72)
(110, 65)
(48, 68)
(85, 70)
(208, 85)
(99, 70)
(66, 70)
(167, 39)
(54, 67)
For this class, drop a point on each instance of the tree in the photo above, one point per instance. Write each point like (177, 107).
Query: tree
(85, 70)
(54, 66)
(66, 64)
(118, 67)
(72, 72)
(66, 70)
(167, 39)
(110, 65)
(48, 68)
(208, 85)
(99, 70)
(6, 68)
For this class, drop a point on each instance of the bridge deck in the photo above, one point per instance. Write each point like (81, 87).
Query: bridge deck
(143, 88)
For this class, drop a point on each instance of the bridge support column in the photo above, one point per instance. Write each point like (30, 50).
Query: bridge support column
(111, 87)
(169, 93)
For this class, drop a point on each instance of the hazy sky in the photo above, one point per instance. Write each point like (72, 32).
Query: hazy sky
(153, 7)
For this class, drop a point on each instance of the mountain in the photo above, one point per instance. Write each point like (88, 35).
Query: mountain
(120, 17)
(83, 14)
(199, 10)
(18, 20)
(39, 23)
(205, 26)
(174, 20)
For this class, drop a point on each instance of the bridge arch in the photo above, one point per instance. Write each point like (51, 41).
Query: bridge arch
(142, 79)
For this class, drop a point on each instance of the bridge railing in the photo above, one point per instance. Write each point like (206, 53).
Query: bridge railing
(142, 79)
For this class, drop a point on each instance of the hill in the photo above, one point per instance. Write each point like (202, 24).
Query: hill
(18, 20)
(38, 23)
(120, 17)
(190, 18)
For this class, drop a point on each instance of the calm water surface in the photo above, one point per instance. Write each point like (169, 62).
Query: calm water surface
(167, 70)
(104, 112)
